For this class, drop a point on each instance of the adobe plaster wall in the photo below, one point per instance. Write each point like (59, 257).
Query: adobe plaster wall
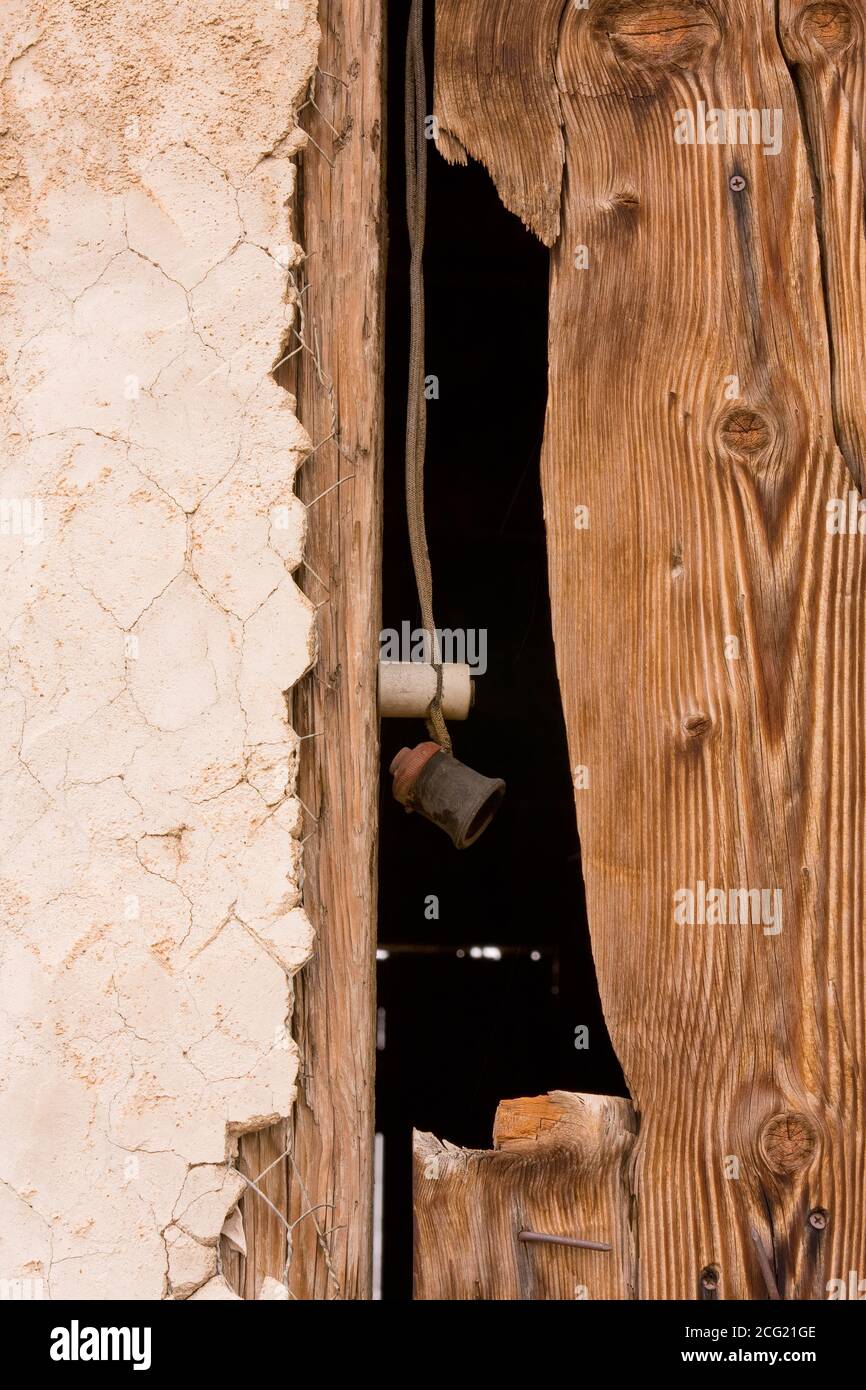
(149, 871)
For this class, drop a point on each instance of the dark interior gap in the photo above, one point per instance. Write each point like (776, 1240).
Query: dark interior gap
(459, 1031)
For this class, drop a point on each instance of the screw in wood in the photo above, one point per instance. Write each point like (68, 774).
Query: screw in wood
(539, 1238)
(737, 183)
(818, 1219)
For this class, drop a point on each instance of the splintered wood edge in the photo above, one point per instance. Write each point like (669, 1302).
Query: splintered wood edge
(434, 1158)
(449, 146)
(500, 103)
(586, 1124)
(562, 1119)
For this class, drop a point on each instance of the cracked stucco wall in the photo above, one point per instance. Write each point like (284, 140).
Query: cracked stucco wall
(151, 917)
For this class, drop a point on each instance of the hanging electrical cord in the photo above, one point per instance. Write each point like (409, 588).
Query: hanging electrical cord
(416, 417)
(428, 778)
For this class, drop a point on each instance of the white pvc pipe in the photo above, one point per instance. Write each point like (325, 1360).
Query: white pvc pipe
(407, 687)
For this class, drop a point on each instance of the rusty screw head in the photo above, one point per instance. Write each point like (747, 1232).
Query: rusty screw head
(818, 1219)
(737, 183)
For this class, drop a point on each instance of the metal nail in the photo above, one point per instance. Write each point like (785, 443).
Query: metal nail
(766, 1268)
(537, 1237)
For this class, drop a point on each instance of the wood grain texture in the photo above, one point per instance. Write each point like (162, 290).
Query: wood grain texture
(709, 631)
(326, 1190)
(825, 45)
(343, 236)
(481, 50)
(560, 1170)
(262, 1158)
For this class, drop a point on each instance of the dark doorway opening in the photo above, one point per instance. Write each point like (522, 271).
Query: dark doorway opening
(483, 1001)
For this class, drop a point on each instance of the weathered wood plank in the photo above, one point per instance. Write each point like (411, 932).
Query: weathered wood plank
(564, 1176)
(343, 235)
(709, 630)
(326, 1185)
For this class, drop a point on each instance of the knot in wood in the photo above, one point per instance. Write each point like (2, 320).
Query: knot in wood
(697, 725)
(745, 432)
(828, 25)
(657, 33)
(710, 1279)
(788, 1142)
(621, 209)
